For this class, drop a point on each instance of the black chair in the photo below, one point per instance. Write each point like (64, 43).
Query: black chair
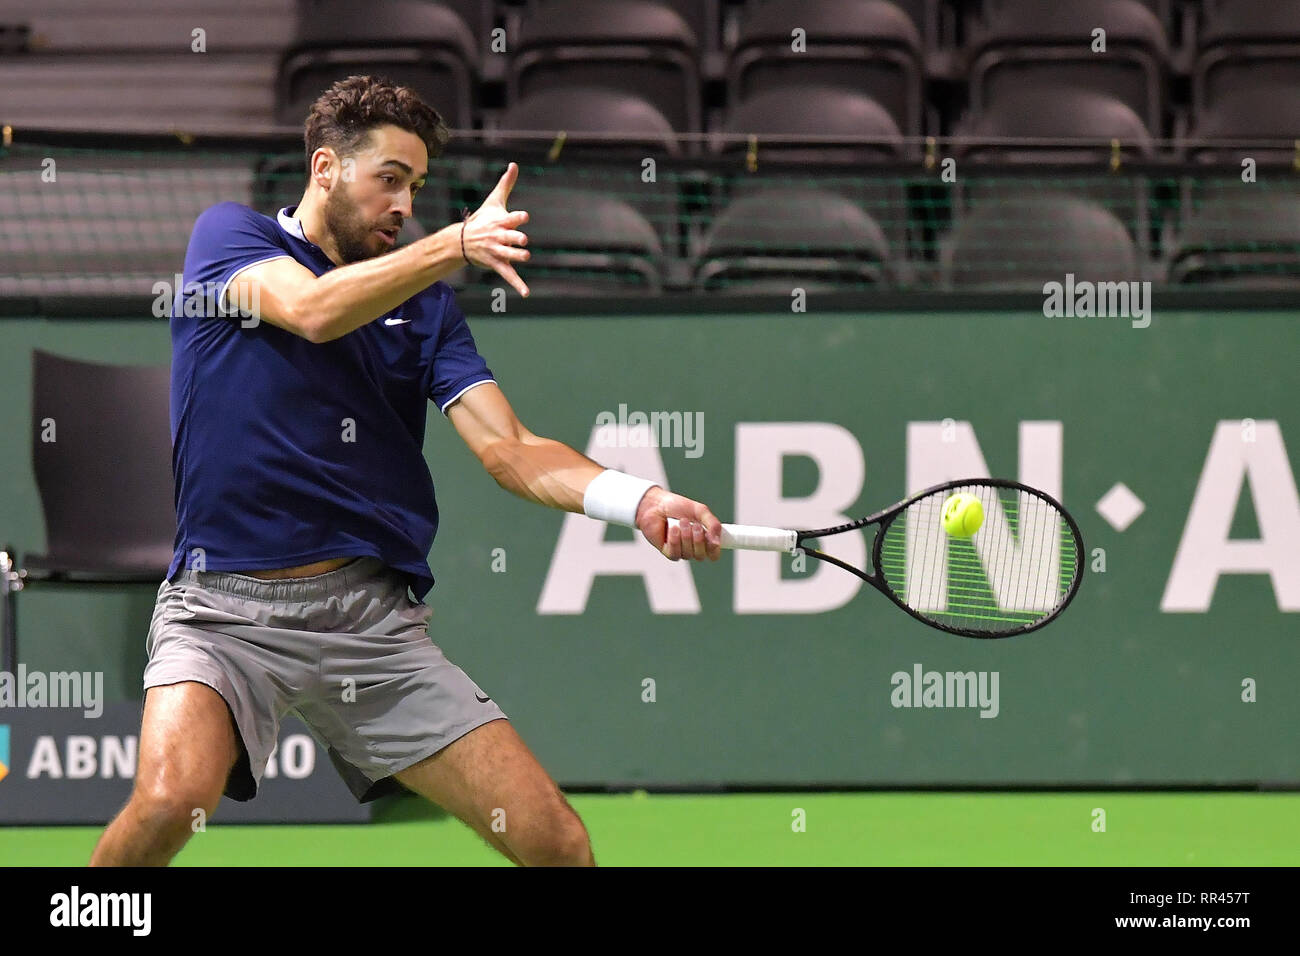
(105, 480)
(777, 118)
(933, 20)
(12, 581)
(101, 453)
(1246, 44)
(1023, 243)
(426, 46)
(596, 121)
(115, 224)
(782, 115)
(777, 239)
(704, 17)
(588, 117)
(1239, 234)
(1062, 126)
(479, 15)
(636, 46)
(926, 14)
(1163, 9)
(1257, 122)
(1261, 124)
(869, 46)
(585, 243)
(1053, 124)
(1026, 43)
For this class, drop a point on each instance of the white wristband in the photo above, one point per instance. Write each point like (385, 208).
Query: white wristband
(614, 497)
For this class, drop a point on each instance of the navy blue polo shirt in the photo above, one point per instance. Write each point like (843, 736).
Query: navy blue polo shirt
(287, 452)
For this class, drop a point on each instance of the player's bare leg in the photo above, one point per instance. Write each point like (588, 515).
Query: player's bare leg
(490, 776)
(188, 744)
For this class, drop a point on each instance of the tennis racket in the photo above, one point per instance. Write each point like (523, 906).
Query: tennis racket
(1020, 570)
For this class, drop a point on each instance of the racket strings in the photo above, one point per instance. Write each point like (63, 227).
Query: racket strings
(1015, 571)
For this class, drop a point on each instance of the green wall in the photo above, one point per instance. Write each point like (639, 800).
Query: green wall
(1116, 691)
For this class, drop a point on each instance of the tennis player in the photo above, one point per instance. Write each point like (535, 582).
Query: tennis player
(306, 510)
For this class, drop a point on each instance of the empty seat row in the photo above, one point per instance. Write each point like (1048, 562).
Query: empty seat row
(119, 223)
(643, 49)
(63, 26)
(104, 222)
(774, 237)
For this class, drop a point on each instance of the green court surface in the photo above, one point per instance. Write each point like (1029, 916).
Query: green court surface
(842, 829)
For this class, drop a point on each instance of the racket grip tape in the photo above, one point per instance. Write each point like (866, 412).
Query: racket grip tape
(752, 537)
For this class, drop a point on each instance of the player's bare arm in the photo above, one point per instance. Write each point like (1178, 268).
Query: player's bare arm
(551, 473)
(324, 308)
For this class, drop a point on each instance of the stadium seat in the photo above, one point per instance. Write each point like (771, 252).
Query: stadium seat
(925, 16)
(641, 132)
(783, 238)
(1078, 127)
(1239, 234)
(1163, 9)
(636, 46)
(1257, 123)
(1245, 44)
(112, 223)
(215, 93)
(1058, 124)
(424, 45)
(868, 46)
(1026, 43)
(702, 16)
(1023, 243)
(778, 115)
(622, 122)
(1260, 121)
(65, 27)
(106, 481)
(585, 243)
(480, 16)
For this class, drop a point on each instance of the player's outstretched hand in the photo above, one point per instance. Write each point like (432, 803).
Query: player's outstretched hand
(696, 535)
(493, 239)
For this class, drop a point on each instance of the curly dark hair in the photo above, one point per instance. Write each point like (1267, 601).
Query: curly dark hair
(343, 116)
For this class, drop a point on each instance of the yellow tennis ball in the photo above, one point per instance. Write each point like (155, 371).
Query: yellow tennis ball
(962, 515)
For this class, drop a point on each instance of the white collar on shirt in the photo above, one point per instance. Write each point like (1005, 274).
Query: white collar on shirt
(291, 225)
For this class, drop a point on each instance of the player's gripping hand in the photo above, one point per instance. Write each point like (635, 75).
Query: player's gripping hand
(696, 536)
(491, 234)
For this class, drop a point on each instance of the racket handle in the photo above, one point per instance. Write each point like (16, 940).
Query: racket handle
(753, 537)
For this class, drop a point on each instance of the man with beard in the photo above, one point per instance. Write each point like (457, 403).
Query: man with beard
(305, 508)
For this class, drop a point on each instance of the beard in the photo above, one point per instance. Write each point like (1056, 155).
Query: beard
(352, 233)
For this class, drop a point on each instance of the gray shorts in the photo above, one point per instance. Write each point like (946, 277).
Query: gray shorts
(347, 652)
